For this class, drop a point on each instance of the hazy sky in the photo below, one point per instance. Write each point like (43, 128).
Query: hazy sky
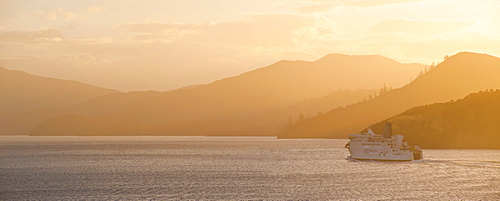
(166, 44)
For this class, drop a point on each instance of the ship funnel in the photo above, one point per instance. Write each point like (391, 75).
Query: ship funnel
(387, 130)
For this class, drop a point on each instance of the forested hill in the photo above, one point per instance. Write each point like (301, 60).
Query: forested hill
(470, 123)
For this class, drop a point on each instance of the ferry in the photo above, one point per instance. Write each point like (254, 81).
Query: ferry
(386, 147)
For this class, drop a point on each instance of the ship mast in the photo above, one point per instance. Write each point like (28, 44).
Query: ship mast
(387, 130)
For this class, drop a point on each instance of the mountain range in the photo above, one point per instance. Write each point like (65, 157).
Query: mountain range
(454, 78)
(332, 97)
(231, 106)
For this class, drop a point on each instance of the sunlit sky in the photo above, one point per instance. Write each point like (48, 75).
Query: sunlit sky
(167, 44)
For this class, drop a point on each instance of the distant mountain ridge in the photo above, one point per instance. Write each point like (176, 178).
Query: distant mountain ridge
(100, 107)
(456, 77)
(472, 122)
(225, 106)
(21, 92)
(277, 85)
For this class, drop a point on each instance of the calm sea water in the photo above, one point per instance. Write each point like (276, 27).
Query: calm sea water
(201, 168)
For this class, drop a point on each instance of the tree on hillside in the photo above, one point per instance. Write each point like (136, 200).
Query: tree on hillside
(384, 89)
(301, 117)
(432, 66)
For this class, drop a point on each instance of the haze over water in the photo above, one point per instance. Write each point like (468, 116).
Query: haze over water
(201, 168)
(288, 69)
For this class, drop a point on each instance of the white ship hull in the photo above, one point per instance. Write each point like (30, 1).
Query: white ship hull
(378, 152)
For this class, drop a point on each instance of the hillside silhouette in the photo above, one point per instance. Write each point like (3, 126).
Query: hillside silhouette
(102, 107)
(228, 105)
(472, 122)
(454, 78)
(270, 123)
(281, 84)
(21, 93)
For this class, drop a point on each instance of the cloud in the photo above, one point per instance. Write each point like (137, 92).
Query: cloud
(316, 8)
(95, 9)
(322, 6)
(42, 35)
(363, 3)
(371, 3)
(260, 30)
(159, 27)
(61, 13)
(58, 14)
(418, 28)
(161, 32)
(252, 30)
